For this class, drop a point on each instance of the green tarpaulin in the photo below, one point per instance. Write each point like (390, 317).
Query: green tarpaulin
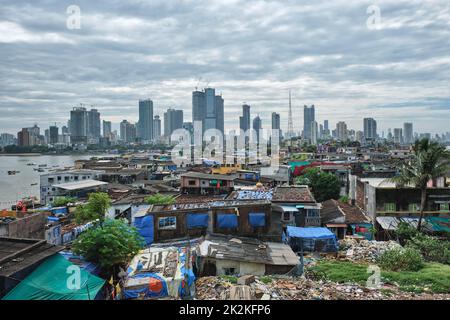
(55, 279)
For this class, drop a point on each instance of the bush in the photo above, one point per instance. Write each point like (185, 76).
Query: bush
(401, 259)
(63, 201)
(405, 232)
(431, 248)
(159, 199)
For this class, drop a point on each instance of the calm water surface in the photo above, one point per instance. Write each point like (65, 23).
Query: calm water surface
(15, 187)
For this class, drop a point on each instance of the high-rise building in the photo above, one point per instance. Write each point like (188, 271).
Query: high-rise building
(341, 131)
(54, 134)
(408, 132)
(208, 108)
(23, 138)
(145, 123)
(7, 139)
(359, 136)
(314, 132)
(308, 118)
(93, 128)
(156, 128)
(244, 120)
(276, 121)
(257, 125)
(370, 129)
(173, 119)
(127, 131)
(107, 129)
(398, 135)
(78, 125)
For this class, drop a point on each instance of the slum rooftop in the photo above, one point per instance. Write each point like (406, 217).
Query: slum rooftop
(297, 193)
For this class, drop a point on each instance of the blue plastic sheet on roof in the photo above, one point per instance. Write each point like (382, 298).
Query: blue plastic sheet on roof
(257, 219)
(157, 287)
(227, 221)
(144, 225)
(197, 220)
(59, 211)
(312, 239)
(314, 233)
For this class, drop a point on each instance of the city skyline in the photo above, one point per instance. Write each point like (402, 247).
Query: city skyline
(117, 57)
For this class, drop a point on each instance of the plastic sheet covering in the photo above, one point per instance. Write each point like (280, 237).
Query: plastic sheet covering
(49, 282)
(312, 239)
(145, 227)
(227, 221)
(156, 287)
(257, 219)
(197, 220)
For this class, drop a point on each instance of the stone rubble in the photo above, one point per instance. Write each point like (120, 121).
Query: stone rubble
(300, 288)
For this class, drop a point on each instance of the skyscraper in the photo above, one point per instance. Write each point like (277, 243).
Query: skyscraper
(156, 128)
(341, 131)
(398, 135)
(308, 118)
(93, 128)
(145, 123)
(257, 125)
(408, 132)
(370, 129)
(314, 132)
(276, 121)
(127, 131)
(54, 133)
(173, 119)
(78, 125)
(244, 120)
(208, 108)
(107, 129)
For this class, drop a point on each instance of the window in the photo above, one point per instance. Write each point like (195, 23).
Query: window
(75, 178)
(167, 223)
(413, 207)
(229, 271)
(51, 180)
(59, 178)
(444, 206)
(389, 206)
(286, 216)
(191, 182)
(66, 178)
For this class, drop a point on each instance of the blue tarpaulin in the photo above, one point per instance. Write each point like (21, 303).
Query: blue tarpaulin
(156, 288)
(144, 225)
(227, 221)
(197, 220)
(311, 239)
(59, 210)
(257, 219)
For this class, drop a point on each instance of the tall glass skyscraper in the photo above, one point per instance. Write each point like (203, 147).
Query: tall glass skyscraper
(308, 118)
(208, 108)
(145, 123)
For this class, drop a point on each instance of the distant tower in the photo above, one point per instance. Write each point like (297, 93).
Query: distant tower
(290, 131)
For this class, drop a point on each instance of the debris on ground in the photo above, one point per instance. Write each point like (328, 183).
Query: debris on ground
(300, 288)
(365, 250)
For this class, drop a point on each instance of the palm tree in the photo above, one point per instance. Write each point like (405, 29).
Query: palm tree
(429, 161)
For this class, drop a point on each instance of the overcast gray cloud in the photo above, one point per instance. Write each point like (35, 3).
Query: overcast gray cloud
(251, 51)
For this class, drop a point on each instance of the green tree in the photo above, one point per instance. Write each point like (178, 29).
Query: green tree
(429, 160)
(159, 199)
(63, 201)
(324, 185)
(112, 243)
(98, 204)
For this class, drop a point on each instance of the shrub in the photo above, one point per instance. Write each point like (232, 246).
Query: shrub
(431, 248)
(401, 259)
(405, 231)
(159, 199)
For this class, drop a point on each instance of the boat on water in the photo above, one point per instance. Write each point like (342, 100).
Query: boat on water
(31, 164)
(12, 172)
(40, 170)
(33, 184)
(42, 165)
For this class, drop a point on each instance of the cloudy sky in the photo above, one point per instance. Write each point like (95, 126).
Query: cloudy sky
(332, 54)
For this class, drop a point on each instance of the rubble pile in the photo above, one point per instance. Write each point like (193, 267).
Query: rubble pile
(300, 288)
(365, 250)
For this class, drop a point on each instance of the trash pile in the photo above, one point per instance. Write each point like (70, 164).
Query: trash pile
(365, 250)
(299, 288)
